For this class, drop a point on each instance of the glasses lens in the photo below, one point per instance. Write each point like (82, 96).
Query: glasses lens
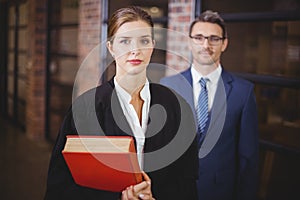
(214, 40)
(199, 39)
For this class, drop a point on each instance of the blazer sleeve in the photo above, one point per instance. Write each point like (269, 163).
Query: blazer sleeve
(248, 150)
(60, 184)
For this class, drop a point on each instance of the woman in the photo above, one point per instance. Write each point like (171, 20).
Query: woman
(159, 120)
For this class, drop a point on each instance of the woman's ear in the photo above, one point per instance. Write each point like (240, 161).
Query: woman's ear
(110, 49)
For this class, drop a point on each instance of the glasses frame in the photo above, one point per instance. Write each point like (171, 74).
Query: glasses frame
(208, 38)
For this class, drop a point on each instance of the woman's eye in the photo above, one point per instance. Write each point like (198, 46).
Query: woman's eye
(125, 41)
(145, 41)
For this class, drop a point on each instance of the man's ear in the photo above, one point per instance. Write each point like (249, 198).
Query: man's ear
(224, 44)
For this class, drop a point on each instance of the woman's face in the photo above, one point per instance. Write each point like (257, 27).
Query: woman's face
(132, 47)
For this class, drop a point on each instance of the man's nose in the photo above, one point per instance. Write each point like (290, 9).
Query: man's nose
(205, 43)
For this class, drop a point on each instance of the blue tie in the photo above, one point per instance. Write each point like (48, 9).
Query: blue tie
(202, 108)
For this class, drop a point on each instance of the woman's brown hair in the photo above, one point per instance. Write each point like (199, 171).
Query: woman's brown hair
(127, 14)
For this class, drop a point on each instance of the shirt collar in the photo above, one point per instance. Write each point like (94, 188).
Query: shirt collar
(213, 76)
(126, 97)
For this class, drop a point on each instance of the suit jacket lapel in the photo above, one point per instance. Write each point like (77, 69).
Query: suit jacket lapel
(187, 88)
(188, 76)
(227, 79)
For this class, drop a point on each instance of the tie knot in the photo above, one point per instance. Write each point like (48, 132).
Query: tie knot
(203, 82)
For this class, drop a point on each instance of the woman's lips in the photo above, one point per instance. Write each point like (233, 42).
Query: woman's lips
(135, 61)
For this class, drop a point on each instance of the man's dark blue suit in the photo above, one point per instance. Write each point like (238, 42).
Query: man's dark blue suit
(228, 171)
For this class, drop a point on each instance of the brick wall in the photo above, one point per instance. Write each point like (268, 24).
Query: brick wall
(36, 74)
(90, 23)
(181, 13)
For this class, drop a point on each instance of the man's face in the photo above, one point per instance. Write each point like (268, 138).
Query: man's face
(207, 53)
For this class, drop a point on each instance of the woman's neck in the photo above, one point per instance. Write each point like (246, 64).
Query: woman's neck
(131, 83)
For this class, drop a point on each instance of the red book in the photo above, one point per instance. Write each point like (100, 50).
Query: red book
(102, 162)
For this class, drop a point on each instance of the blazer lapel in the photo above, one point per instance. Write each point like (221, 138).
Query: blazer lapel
(122, 126)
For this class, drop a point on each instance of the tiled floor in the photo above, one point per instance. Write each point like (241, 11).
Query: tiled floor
(23, 165)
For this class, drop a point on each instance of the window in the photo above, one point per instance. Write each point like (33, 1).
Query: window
(63, 60)
(264, 47)
(17, 61)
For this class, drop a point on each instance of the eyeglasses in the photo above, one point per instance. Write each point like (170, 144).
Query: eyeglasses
(212, 39)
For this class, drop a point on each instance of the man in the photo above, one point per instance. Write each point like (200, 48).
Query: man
(226, 115)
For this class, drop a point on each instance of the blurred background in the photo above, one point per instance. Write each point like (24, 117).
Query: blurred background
(43, 43)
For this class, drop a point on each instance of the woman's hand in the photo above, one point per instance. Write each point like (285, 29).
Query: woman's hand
(139, 191)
